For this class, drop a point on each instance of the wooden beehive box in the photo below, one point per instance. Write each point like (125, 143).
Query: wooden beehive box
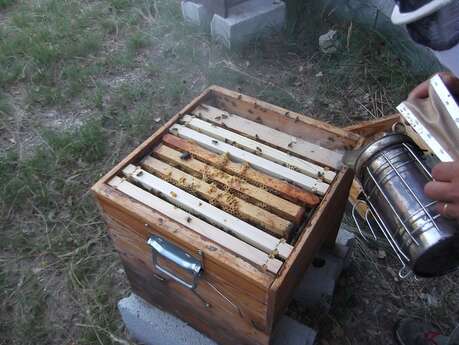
(236, 196)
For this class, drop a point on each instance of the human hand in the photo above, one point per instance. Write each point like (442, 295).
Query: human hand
(422, 90)
(445, 189)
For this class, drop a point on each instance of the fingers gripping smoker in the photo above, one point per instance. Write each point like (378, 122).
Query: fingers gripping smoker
(393, 175)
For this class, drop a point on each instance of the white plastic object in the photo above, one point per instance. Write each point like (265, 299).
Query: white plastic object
(399, 18)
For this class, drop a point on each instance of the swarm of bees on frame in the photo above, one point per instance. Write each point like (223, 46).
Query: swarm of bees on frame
(227, 199)
(231, 203)
(291, 167)
(244, 168)
(182, 183)
(223, 160)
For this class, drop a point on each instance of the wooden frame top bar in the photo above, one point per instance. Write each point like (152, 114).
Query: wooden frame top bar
(260, 149)
(289, 143)
(274, 203)
(269, 167)
(239, 247)
(241, 229)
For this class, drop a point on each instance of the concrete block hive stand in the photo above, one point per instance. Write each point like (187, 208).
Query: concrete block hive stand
(195, 13)
(152, 326)
(244, 21)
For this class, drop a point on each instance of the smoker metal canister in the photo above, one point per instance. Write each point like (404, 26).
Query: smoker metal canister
(393, 179)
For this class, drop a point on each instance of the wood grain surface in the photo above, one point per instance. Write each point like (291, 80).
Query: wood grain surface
(285, 189)
(274, 203)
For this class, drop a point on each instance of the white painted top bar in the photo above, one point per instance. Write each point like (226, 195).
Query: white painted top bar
(257, 162)
(207, 230)
(212, 214)
(259, 149)
(254, 130)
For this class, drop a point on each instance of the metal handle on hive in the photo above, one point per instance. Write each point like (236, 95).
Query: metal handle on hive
(169, 251)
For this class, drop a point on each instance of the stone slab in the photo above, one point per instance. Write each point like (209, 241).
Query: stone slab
(248, 20)
(219, 7)
(317, 288)
(152, 326)
(345, 236)
(195, 13)
(292, 332)
(344, 243)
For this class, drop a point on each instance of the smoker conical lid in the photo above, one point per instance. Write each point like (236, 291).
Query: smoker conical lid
(377, 146)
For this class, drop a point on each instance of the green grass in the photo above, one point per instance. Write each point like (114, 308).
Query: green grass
(34, 45)
(367, 66)
(31, 311)
(53, 46)
(45, 205)
(368, 57)
(47, 211)
(137, 41)
(5, 106)
(55, 206)
(280, 97)
(6, 3)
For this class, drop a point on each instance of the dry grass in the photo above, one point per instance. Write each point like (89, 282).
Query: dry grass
(69, 111)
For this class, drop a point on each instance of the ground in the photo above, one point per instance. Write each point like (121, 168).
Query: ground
(84, 82)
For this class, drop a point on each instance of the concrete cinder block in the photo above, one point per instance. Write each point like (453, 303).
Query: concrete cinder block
(248, 20)
(196, 14)
(151, 326)
(345, 236)
(291, 332)
(344, 243)
(218, 6)
(317, 287)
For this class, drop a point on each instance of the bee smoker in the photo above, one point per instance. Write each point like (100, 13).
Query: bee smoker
(393, 175)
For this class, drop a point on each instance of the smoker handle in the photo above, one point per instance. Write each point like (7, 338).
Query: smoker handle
(354, 209)
(405, 271)
(169, 251)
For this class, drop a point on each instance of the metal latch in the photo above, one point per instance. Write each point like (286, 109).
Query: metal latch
(169, 251)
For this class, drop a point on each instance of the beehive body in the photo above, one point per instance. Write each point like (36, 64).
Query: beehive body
(248, 276)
